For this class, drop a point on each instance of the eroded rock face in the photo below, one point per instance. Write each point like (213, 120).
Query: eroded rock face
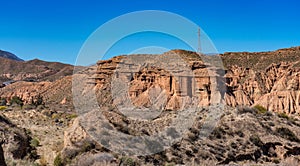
(57, 92)
(276, 88)
(24, 90)
(179, 83)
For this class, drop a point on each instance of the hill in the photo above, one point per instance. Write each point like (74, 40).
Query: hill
(259, 61)
(8, 55)
(34, 70)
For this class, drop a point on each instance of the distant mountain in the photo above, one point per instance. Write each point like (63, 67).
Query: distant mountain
(34, 70)
(8, 55)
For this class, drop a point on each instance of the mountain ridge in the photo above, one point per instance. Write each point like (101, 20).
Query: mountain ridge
(8, 55)
(36, 70)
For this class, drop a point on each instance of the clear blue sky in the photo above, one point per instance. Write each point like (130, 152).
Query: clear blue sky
(55, 30)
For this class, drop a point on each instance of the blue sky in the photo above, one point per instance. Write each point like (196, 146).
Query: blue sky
(55, 30)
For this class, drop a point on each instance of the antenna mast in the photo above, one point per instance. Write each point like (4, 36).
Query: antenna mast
(199, 41)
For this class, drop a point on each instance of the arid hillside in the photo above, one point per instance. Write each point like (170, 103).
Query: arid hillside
(261, 60)
(34, 70)
(257, 123)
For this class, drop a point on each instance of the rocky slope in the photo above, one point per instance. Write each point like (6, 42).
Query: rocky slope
(243, 136)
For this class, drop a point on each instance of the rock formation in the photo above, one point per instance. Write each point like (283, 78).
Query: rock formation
(275, 87)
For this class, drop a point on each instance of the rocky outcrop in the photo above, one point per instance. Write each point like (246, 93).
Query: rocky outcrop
(16, 140)
(178, 77)
(276, 88)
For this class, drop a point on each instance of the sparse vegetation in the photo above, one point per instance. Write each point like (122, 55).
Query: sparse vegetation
(34, 142)
(37, 101)
(256, 140)
(17, 100)
(87, 147)
(283, 115)
(2, 108)
(58, 161)
(260, 109)
(251, 134)
(218, 132)
(71, 116)
(127, 161)
(287, 134)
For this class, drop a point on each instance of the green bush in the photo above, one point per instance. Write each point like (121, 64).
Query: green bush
(34, 143)
(127, 161)
(283, 115)
(260, 109)
(58, 161)
(17, 100)
(2, 108)
(71, 116)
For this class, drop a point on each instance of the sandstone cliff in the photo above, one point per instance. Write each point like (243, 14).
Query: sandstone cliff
(273, 85)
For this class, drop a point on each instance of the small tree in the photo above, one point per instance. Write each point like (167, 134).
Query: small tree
(37, 101)
(17, 100)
